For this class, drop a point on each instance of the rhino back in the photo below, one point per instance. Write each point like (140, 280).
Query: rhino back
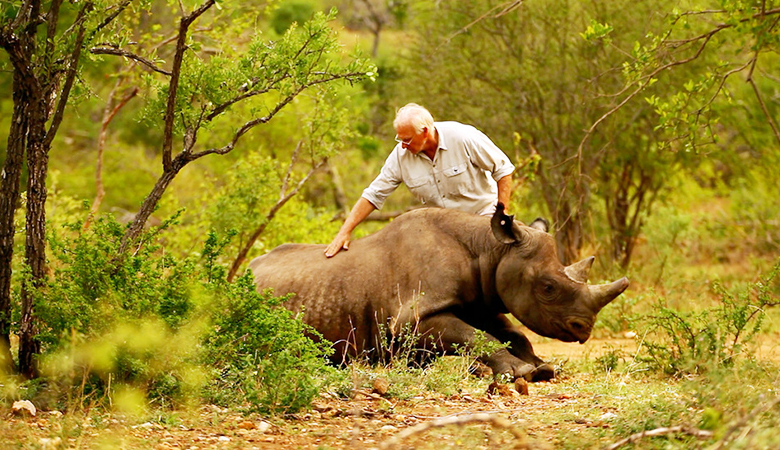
(409, 269)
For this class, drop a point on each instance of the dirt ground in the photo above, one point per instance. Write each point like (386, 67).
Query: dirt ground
(474, 419)
(366, 421)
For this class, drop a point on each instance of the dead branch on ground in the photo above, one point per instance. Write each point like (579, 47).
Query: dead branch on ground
(660, 432)
(495, 421)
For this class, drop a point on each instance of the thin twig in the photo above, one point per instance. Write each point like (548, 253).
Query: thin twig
(702, 434)
(759, 409)
(128, 55)
(521, 440)
(507, 7)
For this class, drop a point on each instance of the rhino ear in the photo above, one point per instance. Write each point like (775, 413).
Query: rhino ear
(503, 226)
(541, 224)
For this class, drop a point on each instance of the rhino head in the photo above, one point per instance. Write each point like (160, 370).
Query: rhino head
(549, 298)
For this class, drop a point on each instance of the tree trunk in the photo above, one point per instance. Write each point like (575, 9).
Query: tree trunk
(340, 195)
(109, 112)
(35, 246)
(566, 220)
(9, 201)
(130, 239)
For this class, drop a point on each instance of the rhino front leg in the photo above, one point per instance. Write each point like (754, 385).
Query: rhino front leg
(448, 332)
(520, 346)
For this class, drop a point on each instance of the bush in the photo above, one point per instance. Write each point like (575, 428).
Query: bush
(260, 352)
(130, 330)
(693, 342)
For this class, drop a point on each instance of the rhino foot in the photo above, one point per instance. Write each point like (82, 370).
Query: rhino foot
(502, 362)
(544, 372)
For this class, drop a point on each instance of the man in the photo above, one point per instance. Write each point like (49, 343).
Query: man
(445, 164)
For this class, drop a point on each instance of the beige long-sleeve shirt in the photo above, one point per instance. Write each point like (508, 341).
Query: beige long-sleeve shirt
(462, 175)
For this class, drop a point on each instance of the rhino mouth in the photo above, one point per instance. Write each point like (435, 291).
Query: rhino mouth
(578, 329)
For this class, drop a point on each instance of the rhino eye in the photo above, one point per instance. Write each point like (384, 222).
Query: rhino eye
(548, 289)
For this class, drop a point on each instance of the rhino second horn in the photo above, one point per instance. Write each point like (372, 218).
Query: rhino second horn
(602, 294)
(578, 272)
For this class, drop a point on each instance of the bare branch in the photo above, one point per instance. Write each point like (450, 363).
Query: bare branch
(507, 7)
(284, 197)
(260, 120)
(759, 409)
(70, 77)
(53, 16)
(128, 55)
(644, 82)
(178, 59)
(521, 440)
(108, 115)
(703, 434)
(768, 116)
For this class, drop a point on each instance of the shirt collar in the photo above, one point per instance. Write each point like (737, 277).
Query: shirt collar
(442, 146)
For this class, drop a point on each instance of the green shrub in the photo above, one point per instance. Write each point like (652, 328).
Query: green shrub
(149, 328)
(93, 288)
(261, 353)
(295, 11)
(692, 342)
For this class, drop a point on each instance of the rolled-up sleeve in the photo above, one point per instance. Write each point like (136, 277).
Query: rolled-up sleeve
(385, 183)
(488, 157)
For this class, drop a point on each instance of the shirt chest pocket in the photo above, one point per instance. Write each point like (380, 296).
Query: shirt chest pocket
(422, 187)
(455, 170)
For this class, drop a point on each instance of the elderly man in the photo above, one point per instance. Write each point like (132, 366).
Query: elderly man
(445, 164)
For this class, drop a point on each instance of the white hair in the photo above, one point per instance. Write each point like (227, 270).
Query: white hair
(415, 115)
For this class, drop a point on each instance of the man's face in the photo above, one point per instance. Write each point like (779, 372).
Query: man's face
(409, 139)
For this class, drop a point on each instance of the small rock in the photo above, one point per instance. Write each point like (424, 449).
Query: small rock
(388, 429)
(500, 389)
(263, 426)
(50, 443)
(23, 408)
(607, 416)
(521, 386)
(224, 439)
(381, 386)
(480, 370)
(247, 425)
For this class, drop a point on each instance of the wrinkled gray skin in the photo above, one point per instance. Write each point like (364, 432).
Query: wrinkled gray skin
(445, 274)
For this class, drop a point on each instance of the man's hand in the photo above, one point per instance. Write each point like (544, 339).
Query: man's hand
(360, 211)
(341, 241)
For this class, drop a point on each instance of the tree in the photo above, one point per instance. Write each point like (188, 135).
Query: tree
(374, 16)
(45, 65)
(551, 84)
(610, 124)
(202, 88)
(201, 91)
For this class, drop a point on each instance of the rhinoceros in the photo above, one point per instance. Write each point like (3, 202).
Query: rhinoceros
(446, 274)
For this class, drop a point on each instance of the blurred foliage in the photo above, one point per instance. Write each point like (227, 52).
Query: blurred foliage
(153, 329)
(162, 328)
(680, 342)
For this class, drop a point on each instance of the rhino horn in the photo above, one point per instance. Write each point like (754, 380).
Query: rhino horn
(503, 226)
(578, 272)
(602, 294)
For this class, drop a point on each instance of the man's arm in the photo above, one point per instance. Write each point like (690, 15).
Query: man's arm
(505, 190)
(360, 211)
